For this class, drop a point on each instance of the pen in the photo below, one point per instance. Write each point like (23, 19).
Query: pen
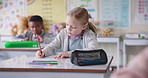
(38, 42)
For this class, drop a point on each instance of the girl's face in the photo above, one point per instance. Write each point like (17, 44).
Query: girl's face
(36, 27)
(73, 26)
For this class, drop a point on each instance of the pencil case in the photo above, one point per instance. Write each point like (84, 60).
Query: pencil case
(21, 44)
(88, 57)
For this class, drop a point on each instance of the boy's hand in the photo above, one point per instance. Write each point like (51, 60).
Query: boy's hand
(63, 55)
(40, 54)
(25, 39)
(41, 38)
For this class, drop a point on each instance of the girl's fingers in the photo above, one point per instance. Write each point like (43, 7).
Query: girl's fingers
(58, 56)
(63, 55)
(40, 54)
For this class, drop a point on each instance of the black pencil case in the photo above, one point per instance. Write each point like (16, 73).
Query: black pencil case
(88, 57)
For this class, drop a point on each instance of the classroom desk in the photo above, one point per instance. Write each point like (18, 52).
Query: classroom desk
(7, 53)
(132, 42)
(13, 52)
(115, 40)
(18, 67)
(8, 38)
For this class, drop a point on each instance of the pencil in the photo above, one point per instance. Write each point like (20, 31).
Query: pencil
(38, 63)
(38, 39)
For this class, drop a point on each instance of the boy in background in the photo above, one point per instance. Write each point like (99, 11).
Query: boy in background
(37, 29)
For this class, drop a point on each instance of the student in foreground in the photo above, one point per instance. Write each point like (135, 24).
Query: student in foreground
(78, 34)
(37, 29)
(137, 68)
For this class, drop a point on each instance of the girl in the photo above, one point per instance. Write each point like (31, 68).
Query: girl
(78, 34)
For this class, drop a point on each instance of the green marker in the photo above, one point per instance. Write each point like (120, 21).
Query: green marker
(1, 3)
(50, 62)
(142, 37)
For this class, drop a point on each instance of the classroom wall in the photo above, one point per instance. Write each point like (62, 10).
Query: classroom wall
(134, 28)
(52, 11)
(59, 15)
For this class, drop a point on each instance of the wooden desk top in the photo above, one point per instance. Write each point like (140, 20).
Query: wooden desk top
(19, 49)
(64, 65)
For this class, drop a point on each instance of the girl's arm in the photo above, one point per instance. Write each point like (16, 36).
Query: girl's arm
(48, 38)
(54, 45)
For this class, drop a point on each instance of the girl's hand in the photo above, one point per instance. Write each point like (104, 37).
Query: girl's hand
(63, 55)
(40, 54)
